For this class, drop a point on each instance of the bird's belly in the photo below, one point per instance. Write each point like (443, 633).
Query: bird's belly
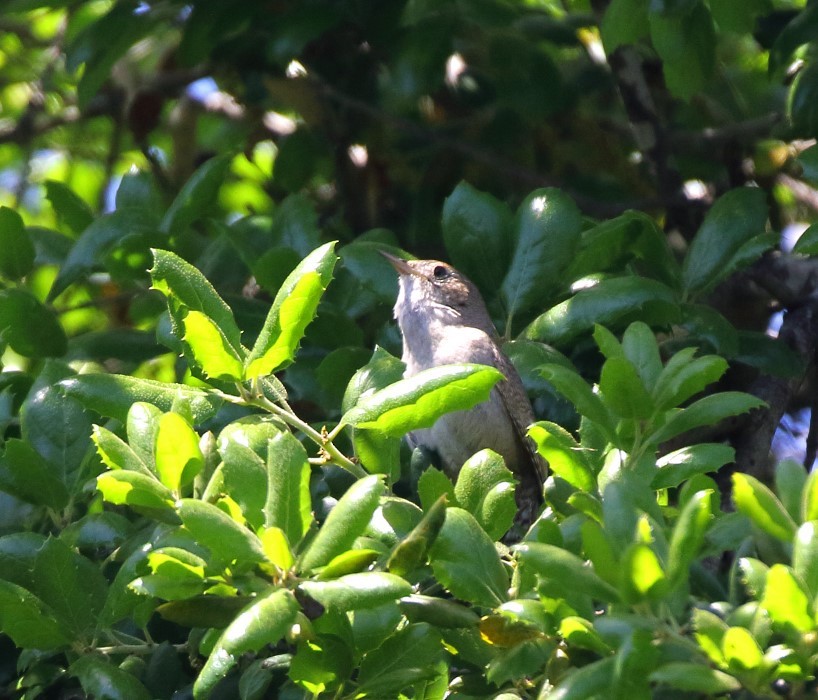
(457, 436)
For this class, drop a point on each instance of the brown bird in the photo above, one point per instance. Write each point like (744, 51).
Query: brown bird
(443, 320)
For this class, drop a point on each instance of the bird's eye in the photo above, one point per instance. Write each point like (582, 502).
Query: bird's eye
(440, 272)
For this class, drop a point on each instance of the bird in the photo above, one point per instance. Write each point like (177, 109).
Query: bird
(443, 320)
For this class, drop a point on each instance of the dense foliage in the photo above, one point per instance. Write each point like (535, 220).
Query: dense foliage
(203, 487)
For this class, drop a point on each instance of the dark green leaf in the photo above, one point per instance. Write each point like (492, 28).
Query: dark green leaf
(485, 488)
(96, 240)
(790, 484)
(29, 622)
(479, 577)
(735, 218)
(800, 30)
(439, 612)
(678, 466)
(566, 569)
(687, 47)
(345, 522)
(25, 474)
(707, 411)
(624, 22)
(116, 453)
(30, 327)
(16, 248)
(623, 391)
(101, 679)
(405, 658)
(114, 394)
(594, 679)
(288, 487)
(476, 232)
(574, 388)
(801, 104)
(418, 401)
(695, 678)
(70, 208)
(609, 303)
(355, 591)
(546, 231)
(230, 543)
(196, 196)
(265, 621)
(71, 585)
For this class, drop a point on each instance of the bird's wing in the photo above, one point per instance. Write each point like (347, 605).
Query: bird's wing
(518, 407)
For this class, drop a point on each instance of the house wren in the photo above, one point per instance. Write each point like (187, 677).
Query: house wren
(443, 320)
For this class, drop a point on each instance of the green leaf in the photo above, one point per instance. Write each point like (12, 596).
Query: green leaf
(141, 424)
(230, 543)
(72, 586)
(29, 327)
(16, 248)
(59, 429)
(485, 488)
(476, 232)
(610, 302)
(288, 505)
(96, 240)
(134, 489)
(640, 347)
(688, 536)
(809, 499)
(624, 22)
(210, 348)
(320, 663)
(405, 658)
(790, 485)
(411, 552)
(623, 391)
(265, 621)
(598, 549)
(113, 395)
(574, 388)
(25, 474)
(807, 243)
(355, 591)
(681, 380)
(478, 578)
(678, 466)
(801, 103)
(345, 522)
(757, 502)
(547, 229)
(178, 457)
(694, 678)
(418, 401)
(786, 602)
(805, 556)
(293, 309)
(741, 650)
(566, 569)
(71, 209)
(433, 484)
(799, 31)
(29, 622)
(440, 612)
(735, 218)
(642, 575)
(564, 455)
(706, 411)
(99, 678)
(687, 46)
(196, 196)
(115, 453)
(589, 681)
(181, 282)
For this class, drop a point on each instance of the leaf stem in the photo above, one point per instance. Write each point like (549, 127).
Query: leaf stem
(330, 453)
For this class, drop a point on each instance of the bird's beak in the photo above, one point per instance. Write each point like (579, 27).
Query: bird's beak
(401, 265)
